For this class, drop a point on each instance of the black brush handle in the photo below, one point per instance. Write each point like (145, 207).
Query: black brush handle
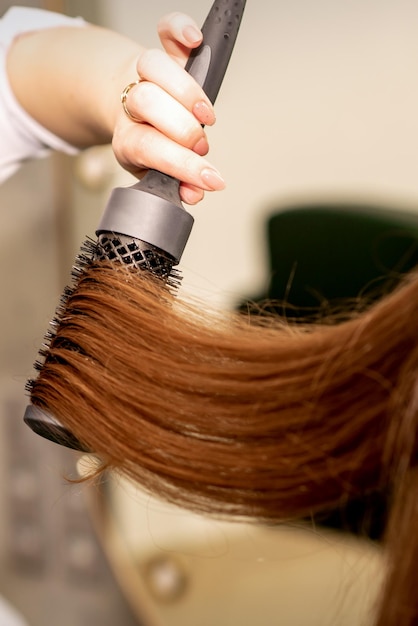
(151, 210)
(208, 63)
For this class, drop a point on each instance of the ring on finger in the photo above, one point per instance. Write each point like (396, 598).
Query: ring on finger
(123, 98)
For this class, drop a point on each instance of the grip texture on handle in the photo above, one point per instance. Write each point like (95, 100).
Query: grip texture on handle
(208, 63)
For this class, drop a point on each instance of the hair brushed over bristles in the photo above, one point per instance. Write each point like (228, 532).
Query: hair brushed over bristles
(252, 414)
(229, 414)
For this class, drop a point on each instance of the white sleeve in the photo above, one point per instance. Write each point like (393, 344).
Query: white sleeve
(21, 137)
(8, 615)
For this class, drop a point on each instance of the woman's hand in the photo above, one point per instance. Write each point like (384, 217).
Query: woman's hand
(75, 93)
(167, 109)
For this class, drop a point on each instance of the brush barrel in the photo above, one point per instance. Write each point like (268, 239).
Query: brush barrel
(134, 253)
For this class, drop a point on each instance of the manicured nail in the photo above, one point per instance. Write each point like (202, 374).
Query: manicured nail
(204, 113)
(201, 147)
(212, 179)
(192, 34)
(190, 196)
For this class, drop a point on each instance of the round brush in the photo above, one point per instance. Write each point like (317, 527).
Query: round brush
(145, 226)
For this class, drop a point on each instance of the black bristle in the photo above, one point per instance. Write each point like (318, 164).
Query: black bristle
(174, 279)
(89, 247)
(119, 249)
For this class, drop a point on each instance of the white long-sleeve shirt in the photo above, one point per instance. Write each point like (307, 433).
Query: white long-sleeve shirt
(21, 137)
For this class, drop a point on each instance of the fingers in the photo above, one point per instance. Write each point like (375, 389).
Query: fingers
(141, 146)
(190, 194)
(157, 67)
(178, 33)
(166, 111)
(148, 102)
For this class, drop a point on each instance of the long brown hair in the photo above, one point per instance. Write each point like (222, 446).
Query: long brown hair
(246, 416)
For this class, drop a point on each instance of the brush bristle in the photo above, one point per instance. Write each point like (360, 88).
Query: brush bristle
(114, 248)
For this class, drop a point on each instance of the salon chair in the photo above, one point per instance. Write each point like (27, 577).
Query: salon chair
(327, 258)
(324, 257)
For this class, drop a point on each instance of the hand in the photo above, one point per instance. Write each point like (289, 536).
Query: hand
(169, 108)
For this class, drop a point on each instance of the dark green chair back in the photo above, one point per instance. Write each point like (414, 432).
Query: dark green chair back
(325, 254)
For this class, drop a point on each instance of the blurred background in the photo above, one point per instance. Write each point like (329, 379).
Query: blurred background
(319, 105)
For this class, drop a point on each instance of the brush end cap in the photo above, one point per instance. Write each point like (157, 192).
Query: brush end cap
(44, 424)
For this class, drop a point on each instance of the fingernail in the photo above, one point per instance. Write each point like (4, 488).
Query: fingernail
(190, 196)
(204, 113)
(212, 179)
(201, 147)
(192, 34)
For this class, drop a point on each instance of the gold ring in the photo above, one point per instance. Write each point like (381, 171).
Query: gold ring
(123, 97)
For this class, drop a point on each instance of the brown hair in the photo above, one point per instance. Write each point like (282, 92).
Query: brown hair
(246, 416)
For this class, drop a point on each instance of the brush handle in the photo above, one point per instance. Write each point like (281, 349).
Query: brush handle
(208, 63)
(151, 211)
